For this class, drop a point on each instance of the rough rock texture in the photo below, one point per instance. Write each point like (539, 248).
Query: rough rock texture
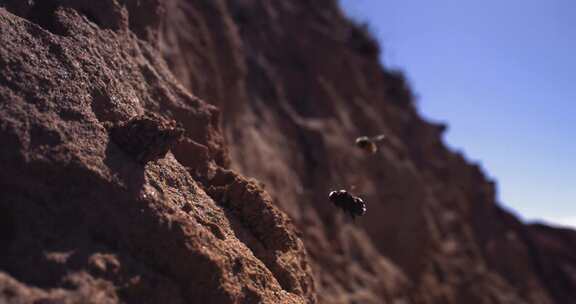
(146, 137)
(82, 219)
(100, 203)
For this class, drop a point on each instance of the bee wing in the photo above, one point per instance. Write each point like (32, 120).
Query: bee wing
(361, 139)
(380, 137)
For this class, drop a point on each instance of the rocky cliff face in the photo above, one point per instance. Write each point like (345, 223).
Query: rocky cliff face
(128, 127)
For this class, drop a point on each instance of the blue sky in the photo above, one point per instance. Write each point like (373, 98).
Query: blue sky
(502, 74)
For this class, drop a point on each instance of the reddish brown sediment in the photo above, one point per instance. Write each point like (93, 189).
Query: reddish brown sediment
(83, 220)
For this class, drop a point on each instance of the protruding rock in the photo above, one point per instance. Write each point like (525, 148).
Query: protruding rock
(146, 137)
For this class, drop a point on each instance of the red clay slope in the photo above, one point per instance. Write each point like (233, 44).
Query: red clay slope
(93, 209)
(83, 219)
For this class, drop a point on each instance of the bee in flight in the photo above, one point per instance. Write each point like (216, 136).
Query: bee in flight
(349, 203)
(369, 144)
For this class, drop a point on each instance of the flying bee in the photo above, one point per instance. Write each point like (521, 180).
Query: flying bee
(349, 203)
(369, 144)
